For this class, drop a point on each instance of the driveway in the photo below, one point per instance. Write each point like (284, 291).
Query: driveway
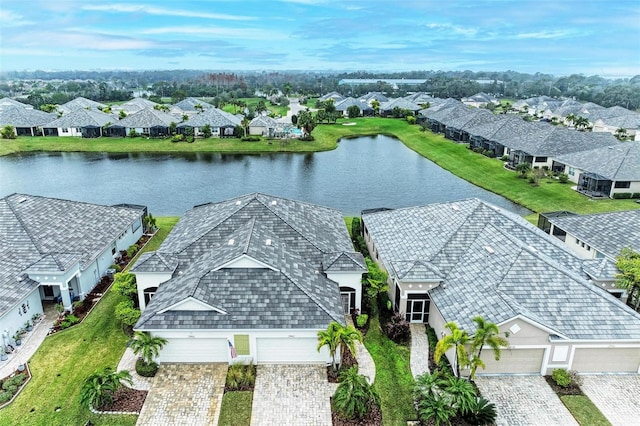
(295, 395)
(524, 400)
(185, 394)
(616, 396)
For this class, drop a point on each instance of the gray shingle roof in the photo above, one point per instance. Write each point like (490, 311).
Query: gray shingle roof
(189, 104)
(8, 103)
(49, 234)
(264, 121)
(80, 103)
(147, 117)
(400, 103)
(498, 265)
(548, 140)
(23, 117)
(606, 232)
(291, 239)
(214, 117)
(619, 162)
(81, 118)
(345, 103)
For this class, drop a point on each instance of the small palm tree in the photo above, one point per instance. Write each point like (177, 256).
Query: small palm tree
(457, 339)
(100, 387)
(427, 385)
(462, 393)
(436, 408)
(147, 346)
(523, 168)
(487, 333)
(336, 336)
(354, 396)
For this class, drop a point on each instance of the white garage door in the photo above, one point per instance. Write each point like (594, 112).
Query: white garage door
(290, 350)
(195, 350)
(606, 360)
(513, 361)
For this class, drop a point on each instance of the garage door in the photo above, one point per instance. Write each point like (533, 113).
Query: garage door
(195, 350)
(513, 361)
(605, 360)
(289, 351)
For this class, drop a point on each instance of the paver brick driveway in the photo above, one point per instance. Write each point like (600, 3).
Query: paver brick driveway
(185, 394)
(295, 395)
(617, 397)
(524, 400)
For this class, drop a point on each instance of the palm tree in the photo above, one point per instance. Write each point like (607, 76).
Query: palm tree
(354, 396)
(570, 119)
(437, 408)
(457, 339)
(427, 385)
(523, 168)
(100, 387)
(581, 123)
(147, 346)
(245, 126)
(335, 336)
(348, 337)
(462, 393)
(487, 333)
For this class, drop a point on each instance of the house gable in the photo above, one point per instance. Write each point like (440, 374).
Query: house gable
(192, 304)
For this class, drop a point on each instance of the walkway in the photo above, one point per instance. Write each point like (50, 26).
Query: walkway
(419, 350)
(616, 396)
(366, 365)
(524, 400)
(128, 362)
(30, 342)
(185, 394)
(291, 395)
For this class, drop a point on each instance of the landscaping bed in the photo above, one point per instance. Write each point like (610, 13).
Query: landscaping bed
(126, 400)
(579, 405)
(374, 418)
(12, 385)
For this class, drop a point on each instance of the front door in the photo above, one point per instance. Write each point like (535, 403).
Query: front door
(346, 303)
(48, 291)
(418, 308)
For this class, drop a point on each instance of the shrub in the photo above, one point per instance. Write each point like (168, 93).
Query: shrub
(124, 283)
(462, 393)
(126, 313)
(251, 139)
(354, 396)
(9, 386)
(116, 267)
(132, 250)
(563, 178)
(576, 379)
(435, 409)
(307, 138)
(481, 412)
(361, 320)
(206, 131)
(240, 377)
(8, 132)
(356, 227)
(635, 195)
(397, 329)
(622, 195)
(72, 319)
(177, 138)
(146, 370)
(361, 245)
(411, 119)
(5, 397)
(133, 133)
(504, 158)
(561, 377)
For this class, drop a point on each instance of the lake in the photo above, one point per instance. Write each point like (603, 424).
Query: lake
(362, 173)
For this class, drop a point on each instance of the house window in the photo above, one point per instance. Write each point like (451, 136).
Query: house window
(136, 225)
(577, 241)
(145, 130)
(572, 171)
(588, 247)
(541, 159)
(65, 130)
(599, 255)
(241, 343)
(623, 184)
(78, 129)
(148, 294)
(113, 248)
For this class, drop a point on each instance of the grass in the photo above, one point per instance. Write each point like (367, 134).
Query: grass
(236, 409)
(584, 411)
(252, 102)
(394, 382)
(347, 221)
(66, 358)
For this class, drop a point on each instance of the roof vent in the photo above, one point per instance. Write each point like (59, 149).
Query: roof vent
(489, 249)
(238, 202)
(274, 202)
(268, 242)
(232, 242)
(22, 200)
(455, 207)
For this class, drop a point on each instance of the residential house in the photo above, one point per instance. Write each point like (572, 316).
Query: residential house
(337, 97)
(344, 105)
(223, 124)
(148, 122)
(480, 100)
(451, 262)
(190, 106)
(133, 106)
(27, 122)
(387, 108)
(56, 249)
(80, 103)
(373, 95)
(6, 103)
(629, 122)
(459, 120)
(610, 171)
(260, 273)
(264, 125)
(79, 123)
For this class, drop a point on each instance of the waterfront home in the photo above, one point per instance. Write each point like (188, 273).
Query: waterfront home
(148, 122)
(79, 123)
(26, 121)
(223, 124)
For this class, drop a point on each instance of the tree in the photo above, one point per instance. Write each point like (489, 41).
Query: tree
(353, 111)
(523, 169)
(462, 393)
(456, 340)
(198, 107)
(160, 107)
(336, 336)
(621, 134)
(122, 114)
(172, 128)
(147, 346)
(570, 119)
(487, 333)
(375, 104)
(100, 387)
(124, 283)
(354, 396)
(294, 119)
(206, 131)
(286, 89)
(8, 132)
(49, 107)
(127, 314)
(245, 126)
(436, 408)
(185, 117)
(629, 265)
(306, 121)
(581, 123)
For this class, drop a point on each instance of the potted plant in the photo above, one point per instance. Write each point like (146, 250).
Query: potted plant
(3, 355)
(36, 318)
(18, 338)
(28, 326)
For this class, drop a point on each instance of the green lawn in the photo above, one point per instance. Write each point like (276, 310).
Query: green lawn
(65, 359)
(347, 221)
(584, 411)
(394, 381)
(236, 409)
(252, 102)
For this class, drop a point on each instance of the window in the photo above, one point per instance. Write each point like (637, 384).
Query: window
(136, 225)
(113, 248)
(623, 184)
(148, 294)
(577, 241)
(588, 247)
(241, 343)
(65, 130)
(145, 130)
(78, 129)
(541, 159)
(572, 171)
(599, 255)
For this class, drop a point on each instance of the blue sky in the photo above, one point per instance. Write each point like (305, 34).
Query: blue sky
(557, 37)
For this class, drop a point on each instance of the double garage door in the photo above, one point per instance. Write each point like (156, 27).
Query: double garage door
(195, 350)
(289, 351)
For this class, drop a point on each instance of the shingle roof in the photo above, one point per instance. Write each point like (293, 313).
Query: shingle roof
(399, 103)
(331, 95)
(214, 117)
(81, 118)
(23, 117)
(479, 97)
(373, 95)
(498, 265)
(606, 232)
(80, 103)
(293, 240)
(550, 140)
(616, 162)
(189, 104)
(263, 121)
(134, 105)
(8, 103)
(49, 234)
(345, 103)
(147, 117)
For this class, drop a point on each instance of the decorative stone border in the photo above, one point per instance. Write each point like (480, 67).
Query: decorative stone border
(22, 386)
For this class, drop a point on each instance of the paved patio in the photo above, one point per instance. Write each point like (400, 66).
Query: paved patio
(291, 395)
(616, 396)
(419, 350)
(185, 394)
(524, 400)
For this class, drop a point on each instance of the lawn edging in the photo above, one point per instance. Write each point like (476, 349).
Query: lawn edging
(22, 386)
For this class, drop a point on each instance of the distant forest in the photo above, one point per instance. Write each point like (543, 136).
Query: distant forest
(45, 87)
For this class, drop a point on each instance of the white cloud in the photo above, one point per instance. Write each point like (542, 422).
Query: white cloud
(12, 19)
(151, 10)
(455, 29)
(237, 33)
(546, 34)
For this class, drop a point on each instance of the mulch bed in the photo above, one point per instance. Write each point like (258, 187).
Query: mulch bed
(572, 389)
(126, 400)
(348, 361)
(373, 419)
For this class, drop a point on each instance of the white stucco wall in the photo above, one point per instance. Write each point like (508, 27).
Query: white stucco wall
(352, 280)
(70, 131)
(15, 318)
(145, 280)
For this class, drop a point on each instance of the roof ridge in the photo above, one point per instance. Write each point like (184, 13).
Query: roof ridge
(252, 225)
(311, 297)
(24, 226)
(626, 152)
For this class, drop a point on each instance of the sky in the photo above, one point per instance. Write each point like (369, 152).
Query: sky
(558, 37)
